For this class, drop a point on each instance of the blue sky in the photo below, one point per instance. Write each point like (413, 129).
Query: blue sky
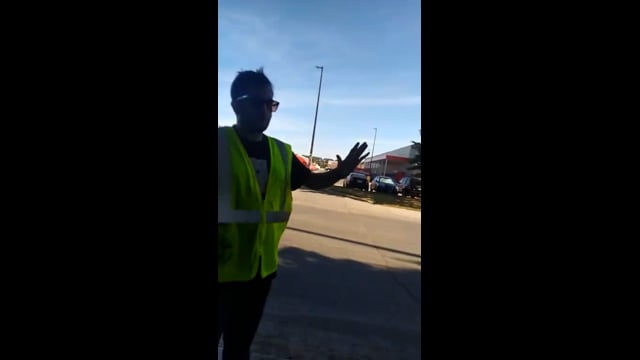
(370, 50)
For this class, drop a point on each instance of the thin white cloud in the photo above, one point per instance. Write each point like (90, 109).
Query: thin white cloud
(287, 126)
(280, 126)
(383, 144)
(288, 98)
(264, 37)
(250, 41)
(226, 121)
(382, 101)
(225, 77)
(251, 35)
(296, 98)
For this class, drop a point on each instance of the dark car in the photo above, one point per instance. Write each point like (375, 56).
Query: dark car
(410, 186)
(383, 184)
(356, 180)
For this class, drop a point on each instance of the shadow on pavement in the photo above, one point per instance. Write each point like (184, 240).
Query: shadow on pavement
(325, 308)
(355, 242)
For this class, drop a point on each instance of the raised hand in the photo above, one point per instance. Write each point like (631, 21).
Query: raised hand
(355, 157)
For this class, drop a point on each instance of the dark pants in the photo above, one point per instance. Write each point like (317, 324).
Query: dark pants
(240, 307)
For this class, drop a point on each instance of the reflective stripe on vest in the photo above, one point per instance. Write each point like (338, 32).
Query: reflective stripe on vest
(227, 215)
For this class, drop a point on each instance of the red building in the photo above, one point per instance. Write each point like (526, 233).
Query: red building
(392, 163)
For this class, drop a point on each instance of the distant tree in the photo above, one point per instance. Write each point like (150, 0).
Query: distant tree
(320, 162)
(416, 161)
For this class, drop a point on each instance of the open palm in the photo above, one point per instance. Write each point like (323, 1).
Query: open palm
(352, 160)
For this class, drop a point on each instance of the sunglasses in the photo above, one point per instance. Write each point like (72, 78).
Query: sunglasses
(260, 102)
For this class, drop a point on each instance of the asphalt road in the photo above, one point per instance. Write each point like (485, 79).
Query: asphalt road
(348, 285)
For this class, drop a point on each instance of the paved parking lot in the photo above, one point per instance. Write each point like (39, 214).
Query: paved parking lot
(348, 286)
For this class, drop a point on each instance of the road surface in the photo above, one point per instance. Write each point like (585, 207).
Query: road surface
(348, 285)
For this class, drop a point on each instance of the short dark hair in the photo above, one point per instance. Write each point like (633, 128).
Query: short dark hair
(247, 80)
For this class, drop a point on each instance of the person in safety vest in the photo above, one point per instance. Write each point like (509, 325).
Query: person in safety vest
(256, 175)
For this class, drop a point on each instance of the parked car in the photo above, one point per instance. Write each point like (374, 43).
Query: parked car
(410, 186)
(356, 180)
(383, 184)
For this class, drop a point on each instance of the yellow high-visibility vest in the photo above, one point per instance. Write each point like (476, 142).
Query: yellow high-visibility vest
(248, 226)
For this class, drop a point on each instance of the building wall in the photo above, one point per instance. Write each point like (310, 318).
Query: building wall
(404, 151)
(393, 168)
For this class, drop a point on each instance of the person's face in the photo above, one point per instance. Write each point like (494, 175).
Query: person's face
(254, 109)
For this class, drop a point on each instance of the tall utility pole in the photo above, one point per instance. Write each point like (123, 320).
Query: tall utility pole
(373, 148)
(315, 120)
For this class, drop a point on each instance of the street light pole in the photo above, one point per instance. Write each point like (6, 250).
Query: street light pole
(373, 148)
(315, 120)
